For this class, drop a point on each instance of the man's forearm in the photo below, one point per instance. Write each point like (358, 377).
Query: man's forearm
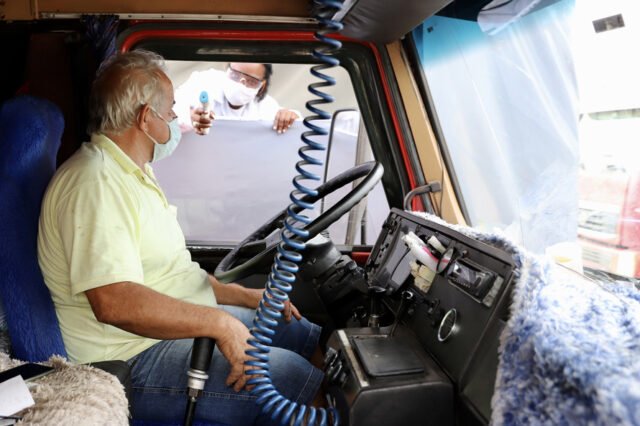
(234, 294)
(145, 312)
(140, 310)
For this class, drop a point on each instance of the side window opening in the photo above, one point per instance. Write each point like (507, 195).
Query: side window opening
(229, 182)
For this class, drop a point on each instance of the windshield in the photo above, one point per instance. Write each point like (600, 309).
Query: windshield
(239, 174)
(540, 121)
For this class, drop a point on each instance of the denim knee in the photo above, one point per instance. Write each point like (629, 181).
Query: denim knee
(159, 384)
(300, 336)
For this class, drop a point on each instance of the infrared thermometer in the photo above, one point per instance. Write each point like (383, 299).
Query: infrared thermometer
(204, 101)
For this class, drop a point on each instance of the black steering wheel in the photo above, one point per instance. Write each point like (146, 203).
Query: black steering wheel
(372, 172)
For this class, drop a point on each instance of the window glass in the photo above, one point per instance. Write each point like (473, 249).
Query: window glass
(229, 182)
(541, 122)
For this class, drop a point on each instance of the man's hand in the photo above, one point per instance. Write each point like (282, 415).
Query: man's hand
(284, 119)
(255, 296)
(237, 295)
(201, 120)
(233, 344)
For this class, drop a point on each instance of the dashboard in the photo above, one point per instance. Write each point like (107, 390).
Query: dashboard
(432, 358)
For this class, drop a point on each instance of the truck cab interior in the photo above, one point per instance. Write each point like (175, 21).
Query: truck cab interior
(467, 263)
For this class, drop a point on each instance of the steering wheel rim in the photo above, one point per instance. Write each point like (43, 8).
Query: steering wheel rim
(371, 172)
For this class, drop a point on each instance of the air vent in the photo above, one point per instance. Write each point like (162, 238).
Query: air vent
(608, 23)
(447, 325)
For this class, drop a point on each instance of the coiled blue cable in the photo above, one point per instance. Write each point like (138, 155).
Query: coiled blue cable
(293, 238)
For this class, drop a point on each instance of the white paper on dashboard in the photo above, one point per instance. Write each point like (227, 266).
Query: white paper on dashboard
(14, 396)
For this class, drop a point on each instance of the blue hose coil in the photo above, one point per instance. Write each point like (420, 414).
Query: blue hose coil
(293, 238)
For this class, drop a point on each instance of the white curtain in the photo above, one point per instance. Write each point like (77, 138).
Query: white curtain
(508, 108)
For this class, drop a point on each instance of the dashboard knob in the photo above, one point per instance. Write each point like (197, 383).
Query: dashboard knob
(330, 356)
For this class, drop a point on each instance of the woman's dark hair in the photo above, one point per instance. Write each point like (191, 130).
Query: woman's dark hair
(268, 72)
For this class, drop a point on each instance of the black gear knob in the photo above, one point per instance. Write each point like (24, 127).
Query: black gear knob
(201, 353)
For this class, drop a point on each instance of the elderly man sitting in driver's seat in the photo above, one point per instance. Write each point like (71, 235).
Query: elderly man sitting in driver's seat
(122, 280)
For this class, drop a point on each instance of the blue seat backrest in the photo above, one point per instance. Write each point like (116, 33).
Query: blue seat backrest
(30, 134)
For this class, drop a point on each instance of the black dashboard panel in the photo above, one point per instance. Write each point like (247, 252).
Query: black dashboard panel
(450, 307)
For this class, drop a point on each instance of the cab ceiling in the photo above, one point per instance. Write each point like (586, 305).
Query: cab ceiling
(381, 21)
(35, 9)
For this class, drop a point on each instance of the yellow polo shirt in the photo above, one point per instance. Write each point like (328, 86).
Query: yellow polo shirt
(104, 221)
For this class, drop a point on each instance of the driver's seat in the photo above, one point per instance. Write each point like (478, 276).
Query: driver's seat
(30, 134)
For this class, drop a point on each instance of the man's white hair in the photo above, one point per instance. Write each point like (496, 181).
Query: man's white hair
(125, 83)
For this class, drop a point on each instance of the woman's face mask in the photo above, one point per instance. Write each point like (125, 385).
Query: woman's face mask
(237, 93)
(163, 150)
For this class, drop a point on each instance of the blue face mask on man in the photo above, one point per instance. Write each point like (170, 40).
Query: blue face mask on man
(163, 150)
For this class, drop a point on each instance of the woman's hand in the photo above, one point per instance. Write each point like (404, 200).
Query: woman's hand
(200, 120)
(284, 119)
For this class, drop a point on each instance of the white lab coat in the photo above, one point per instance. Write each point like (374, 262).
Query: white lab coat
(188, 95)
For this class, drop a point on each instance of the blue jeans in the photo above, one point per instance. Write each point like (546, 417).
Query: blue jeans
(159, 377)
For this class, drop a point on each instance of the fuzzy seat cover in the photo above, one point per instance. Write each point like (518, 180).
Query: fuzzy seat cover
(73, 395)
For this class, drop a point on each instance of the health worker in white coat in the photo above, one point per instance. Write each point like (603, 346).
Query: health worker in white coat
(240, 91)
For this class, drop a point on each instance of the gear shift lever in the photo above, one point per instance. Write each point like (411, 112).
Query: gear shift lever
(375, 310)
(197, 374)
